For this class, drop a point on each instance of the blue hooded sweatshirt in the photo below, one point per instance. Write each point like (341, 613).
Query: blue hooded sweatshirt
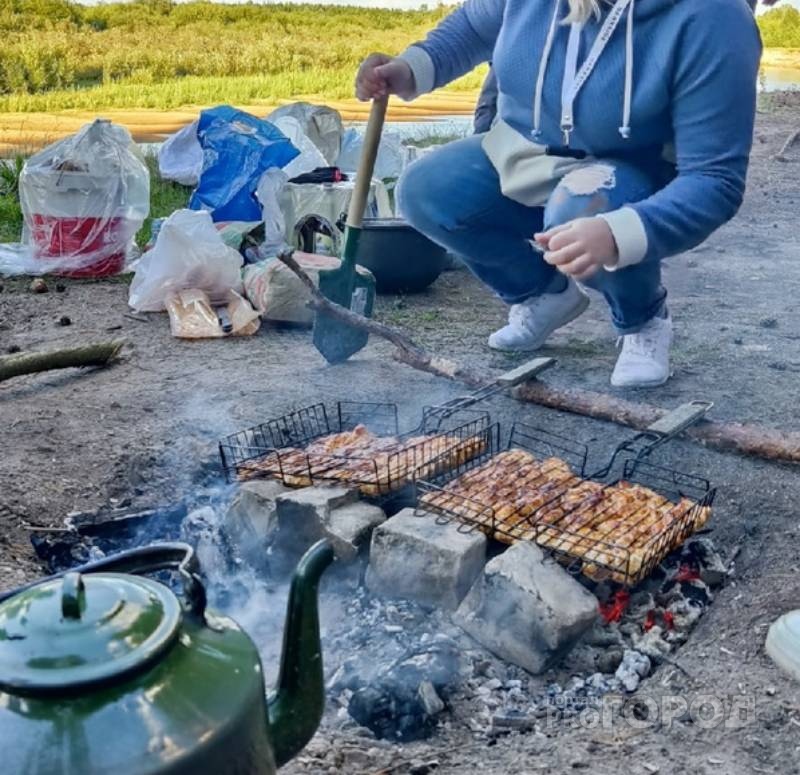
(689, 69)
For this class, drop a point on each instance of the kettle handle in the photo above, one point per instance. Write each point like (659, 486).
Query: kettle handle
(176, 556)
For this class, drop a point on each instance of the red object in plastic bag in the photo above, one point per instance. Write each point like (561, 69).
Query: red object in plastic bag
(54, 237)
(82, 200)
(616, 607)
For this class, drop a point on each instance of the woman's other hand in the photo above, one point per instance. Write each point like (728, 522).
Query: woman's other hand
(579, 248)
(380, 75)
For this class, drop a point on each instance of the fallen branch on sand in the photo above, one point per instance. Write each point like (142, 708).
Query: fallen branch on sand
(731, 437)
(407, 352)
(31, 363)
(790, 141)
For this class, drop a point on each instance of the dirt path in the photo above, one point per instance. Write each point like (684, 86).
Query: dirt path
(143, 432)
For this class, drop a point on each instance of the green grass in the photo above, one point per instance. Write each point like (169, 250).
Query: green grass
(56, 55)
(165, 198)
(152, 54)
(10, 211)
(195, 90)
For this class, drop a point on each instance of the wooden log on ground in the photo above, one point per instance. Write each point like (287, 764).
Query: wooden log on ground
(100, 354)
(731, 437)
(790, 141)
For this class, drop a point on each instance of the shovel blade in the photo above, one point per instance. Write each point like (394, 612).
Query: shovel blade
(335, 339)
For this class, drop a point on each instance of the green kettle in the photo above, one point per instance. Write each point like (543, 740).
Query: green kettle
(107, 673)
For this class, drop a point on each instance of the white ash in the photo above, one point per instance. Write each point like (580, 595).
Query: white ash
(634, 667)
(398, 645)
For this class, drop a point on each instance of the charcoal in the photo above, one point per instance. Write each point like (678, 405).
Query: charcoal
(431, 701)
(700, 551)
(397, 704)
(513, 719)
(393, 712)
(609, 660)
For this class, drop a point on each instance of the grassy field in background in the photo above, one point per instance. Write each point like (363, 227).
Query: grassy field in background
(151, 65)
(147, 54)
(152, 54)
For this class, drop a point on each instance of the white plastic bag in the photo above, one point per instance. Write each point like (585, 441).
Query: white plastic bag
(321, 124)
(389, 163)
(310, 157)
(189, 253)
(268, 192)
(180, 158)
(83, 199)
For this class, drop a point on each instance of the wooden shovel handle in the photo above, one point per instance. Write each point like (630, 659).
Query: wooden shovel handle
(366, 166)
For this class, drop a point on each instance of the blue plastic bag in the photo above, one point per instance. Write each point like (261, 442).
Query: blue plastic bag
(237, 149)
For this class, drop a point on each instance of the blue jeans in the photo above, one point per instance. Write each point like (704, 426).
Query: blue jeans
(453, 196)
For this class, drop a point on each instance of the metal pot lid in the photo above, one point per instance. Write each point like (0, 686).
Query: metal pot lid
(78, 631)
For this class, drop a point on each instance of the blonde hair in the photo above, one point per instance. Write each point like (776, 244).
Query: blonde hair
(581, 10)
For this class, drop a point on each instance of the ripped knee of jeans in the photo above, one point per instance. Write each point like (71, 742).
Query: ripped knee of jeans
(589, 179)
(581, 193)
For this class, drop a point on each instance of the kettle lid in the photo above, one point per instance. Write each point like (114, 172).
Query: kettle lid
(79, 631)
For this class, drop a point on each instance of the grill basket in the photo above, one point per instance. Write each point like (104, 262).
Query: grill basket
(604, 556)
(276, 449)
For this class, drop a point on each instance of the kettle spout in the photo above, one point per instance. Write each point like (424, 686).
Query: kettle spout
(295, 709)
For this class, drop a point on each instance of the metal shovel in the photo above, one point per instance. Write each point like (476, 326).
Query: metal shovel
(355, 291)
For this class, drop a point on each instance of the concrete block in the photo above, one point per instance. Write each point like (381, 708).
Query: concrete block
(418, 558)
(527, 609)
(350, 527)
(303, 513)
(251, 519)
(305, 516)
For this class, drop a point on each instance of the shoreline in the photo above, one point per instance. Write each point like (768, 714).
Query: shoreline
(781, 58)
(25, 133)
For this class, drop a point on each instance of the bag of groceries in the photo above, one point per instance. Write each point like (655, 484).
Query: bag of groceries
(278, 294)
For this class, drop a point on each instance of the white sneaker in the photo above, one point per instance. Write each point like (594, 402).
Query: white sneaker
(532, 321)
(644, 360)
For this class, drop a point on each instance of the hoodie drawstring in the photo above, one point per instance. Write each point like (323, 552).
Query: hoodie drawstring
(605, 33)
(543, 62)
(625, 129)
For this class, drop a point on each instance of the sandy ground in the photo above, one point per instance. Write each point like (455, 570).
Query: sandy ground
(27, 132)
(144, 430)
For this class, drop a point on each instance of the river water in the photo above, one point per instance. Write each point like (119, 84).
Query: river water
(780, 78)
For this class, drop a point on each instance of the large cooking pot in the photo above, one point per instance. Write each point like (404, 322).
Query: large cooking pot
(402, 259)
(106, 672)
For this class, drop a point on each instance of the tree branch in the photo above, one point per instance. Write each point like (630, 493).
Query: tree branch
(407, 351)
(30, 363)
(733, 437)
(790, 141)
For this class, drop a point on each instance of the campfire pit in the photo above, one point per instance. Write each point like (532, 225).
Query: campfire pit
(401, 668)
